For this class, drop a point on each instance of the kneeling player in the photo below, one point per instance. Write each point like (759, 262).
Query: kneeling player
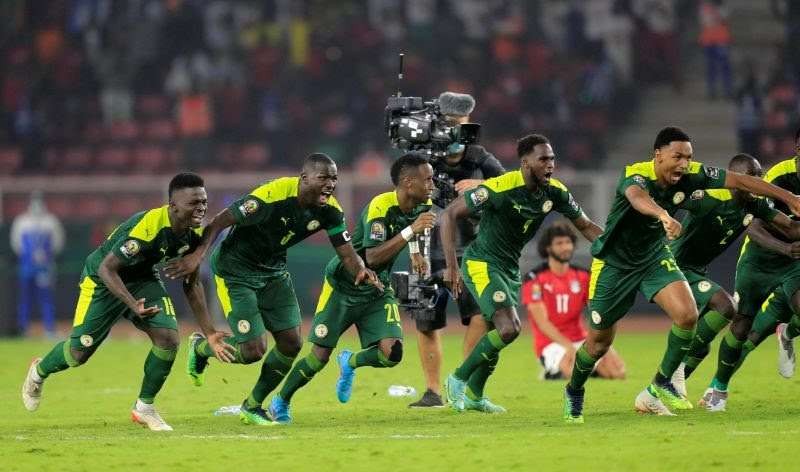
(556, 294)
(120, 279)
(389, 221)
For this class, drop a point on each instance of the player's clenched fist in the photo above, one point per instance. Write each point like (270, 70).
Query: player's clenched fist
(424, 221)
(671, 226)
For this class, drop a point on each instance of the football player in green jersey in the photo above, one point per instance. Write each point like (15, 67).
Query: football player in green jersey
(512, 207)
(389, 221)
(768, 281)
(253, 285)
(632, 255)
(120, 279)
(716, 219)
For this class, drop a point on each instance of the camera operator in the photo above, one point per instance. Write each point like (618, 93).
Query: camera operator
(463, 168)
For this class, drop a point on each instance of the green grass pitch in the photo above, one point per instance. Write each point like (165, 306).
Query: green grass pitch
(83, 422)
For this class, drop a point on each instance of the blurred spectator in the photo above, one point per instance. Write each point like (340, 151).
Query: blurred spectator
(749, 111)
(36, 238)
(659, 52)
(715, 37)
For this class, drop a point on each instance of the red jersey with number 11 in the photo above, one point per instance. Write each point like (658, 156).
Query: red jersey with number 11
(564, 296)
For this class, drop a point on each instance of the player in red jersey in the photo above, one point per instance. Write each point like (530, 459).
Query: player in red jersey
(556, 294)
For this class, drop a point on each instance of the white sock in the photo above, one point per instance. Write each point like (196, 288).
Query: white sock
(140, 405)
(36, 377)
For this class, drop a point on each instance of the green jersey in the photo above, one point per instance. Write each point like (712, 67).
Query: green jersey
(784, 175)
(631, 239)
(714, 222)
(380, 221)
(510, 216)
(269, 220)
(142, 242)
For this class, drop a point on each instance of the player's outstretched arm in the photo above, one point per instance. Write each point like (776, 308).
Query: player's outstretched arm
(642, 202)
(186, 265)
(355, 265)
(757, 186)
(587, 227)
(195, 295)
(109, 274)
(788, 227)
(758, 232)
(383, 253)
(456, 210)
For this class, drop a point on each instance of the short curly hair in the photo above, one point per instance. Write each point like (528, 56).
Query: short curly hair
(555, 230)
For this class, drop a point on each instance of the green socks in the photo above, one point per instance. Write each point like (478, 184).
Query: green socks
(730, 350)
(477, 381)
(59, 358)
(301, 374)
(708, 326)
(678, 343)
(484, 353)
(156, 369)
(793, 328)
(273, 370)
(372, 357)
(582, 369)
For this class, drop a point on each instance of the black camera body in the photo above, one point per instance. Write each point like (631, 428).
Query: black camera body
(412, 292)
(416, 125)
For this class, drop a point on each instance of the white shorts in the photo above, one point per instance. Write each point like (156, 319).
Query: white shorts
(552, 355)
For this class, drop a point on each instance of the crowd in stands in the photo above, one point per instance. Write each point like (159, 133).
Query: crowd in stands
(149, 86)
(768, 102)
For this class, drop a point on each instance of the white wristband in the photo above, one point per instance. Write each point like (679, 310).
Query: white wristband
(407, 233)
(413, 247)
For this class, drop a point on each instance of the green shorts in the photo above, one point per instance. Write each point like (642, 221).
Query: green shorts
(376, 317)
(493, 289)
(98, 309)
(702, 287)
(754, 285)
(612, 290)
(252, 309)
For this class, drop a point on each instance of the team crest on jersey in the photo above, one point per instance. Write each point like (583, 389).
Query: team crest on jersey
(697, 195)
(748, 218)
(130, 248)
(87, 340)
(547, 205)
(704, 286)
(479, 196)
(596, 318)
(321, 331)
(377, 231)
(312, 225)
(248, 207)
(499, 296)
(575, 286)
(183, 249)
(640, 181)
(678, 198)
(243, 326)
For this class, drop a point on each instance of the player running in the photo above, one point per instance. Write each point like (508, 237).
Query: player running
(512, 207)
(632, 255)
(767, 279)
(716, 219)
(555, 295)
(389, 221)
(253, 285)
(120, 279)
